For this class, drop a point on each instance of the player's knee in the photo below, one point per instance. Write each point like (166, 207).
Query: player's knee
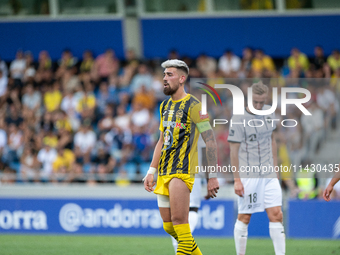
(245, 218)
(178, 219)
(276, 216)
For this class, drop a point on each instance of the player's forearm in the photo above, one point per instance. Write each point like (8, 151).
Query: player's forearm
(211, 147)
(335, 179)
(157, 154)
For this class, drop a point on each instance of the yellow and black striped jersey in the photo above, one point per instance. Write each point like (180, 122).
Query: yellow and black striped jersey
(181, 122)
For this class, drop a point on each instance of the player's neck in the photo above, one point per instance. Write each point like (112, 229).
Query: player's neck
(180, 94)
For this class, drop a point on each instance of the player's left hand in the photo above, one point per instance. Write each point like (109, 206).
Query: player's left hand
(213, 187)
(327, 193)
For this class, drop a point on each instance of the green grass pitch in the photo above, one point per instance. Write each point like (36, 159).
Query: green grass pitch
(102, 245)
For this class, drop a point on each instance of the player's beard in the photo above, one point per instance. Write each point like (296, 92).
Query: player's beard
(168, 91)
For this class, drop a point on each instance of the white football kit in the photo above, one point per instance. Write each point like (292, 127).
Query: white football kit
(261, 187)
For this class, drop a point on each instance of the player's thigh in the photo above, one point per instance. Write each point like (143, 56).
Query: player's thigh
(253, 198)
(179, 195)
(272, 193)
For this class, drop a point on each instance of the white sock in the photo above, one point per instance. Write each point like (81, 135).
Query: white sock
(193, 218)
(278, 236)
(240, 236)
(174, 244)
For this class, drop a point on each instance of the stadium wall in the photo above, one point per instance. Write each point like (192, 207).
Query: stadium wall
(275, 35)
(55, 36)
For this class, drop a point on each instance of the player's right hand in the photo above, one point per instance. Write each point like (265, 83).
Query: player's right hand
(149, 183)
(327, 193)
(239, 189)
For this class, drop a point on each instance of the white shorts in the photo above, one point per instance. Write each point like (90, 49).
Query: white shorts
(195, 196)
(259, 194)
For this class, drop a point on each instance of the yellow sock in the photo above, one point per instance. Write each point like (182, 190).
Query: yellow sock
(185, 239)
(195, 249)
(169, 228)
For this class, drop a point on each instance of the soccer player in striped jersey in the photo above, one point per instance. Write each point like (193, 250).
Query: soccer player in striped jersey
(253, 146)
(175, 155)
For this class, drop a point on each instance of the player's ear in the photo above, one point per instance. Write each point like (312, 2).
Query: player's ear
(182, 79)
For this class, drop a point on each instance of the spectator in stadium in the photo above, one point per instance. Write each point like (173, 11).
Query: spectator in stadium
(262, 64)
(31, 99)
(3, 67)
(63, 163)
(319, 58)
(122, 120)
(46, 157)
(67, 61)
(104, 97)
(87, 63)
(106, 123)
(3, 139)
(17, 68)
(334, 60)
(87, 104)
(298, 61)
(84, 142)
(335, 81)
(106, 64)
(229, 64)
(70, 80)
(29, 165)
(142, 78)
(51, 139)
(76, 175)
(246, 62)
(140, 116)
(29, 69)
(3, 86)
(13, 116)
(206, 64)
(131, 58)
(13, 100)
(53, 97)
(145, 98)
(44, 61)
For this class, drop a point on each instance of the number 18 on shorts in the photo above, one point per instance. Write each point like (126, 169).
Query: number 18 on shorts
(259, 194)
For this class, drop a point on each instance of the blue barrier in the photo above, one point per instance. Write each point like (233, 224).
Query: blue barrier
(314, 219)
(276, 35)
(306, 219)
(55, 36)
(89, 216)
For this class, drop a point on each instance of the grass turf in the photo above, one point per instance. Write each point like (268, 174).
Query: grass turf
(102, 245)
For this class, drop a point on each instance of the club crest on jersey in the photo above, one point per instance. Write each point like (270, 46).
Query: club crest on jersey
(203, 116)
(232, 132)
(268, 119)
(252, 138)
(179, 114)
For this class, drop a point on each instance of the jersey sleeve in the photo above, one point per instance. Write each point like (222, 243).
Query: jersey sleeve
(201, 121)
(236, 131)
(161, 127)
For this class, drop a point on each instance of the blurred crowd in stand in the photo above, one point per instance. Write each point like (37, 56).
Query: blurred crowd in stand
(96, 119)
